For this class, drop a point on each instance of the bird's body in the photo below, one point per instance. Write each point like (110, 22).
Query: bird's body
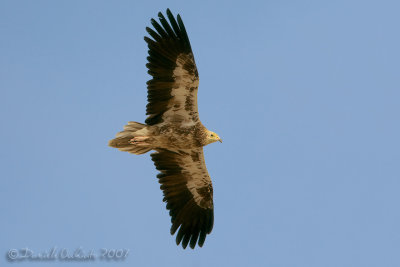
(188, 137)
(173, 129)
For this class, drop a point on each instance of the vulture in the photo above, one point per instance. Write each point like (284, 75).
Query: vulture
(174, 132)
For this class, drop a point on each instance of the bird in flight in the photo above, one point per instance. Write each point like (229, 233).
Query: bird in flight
(174, 131)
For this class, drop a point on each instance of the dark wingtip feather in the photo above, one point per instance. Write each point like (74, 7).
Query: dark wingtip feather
(193, 240)
(185, 240)
(183, 30)
(169, 13)
(202, 238)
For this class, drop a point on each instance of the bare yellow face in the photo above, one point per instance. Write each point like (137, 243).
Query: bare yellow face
(212, 137)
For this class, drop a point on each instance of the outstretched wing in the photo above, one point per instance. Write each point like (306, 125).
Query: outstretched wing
(172, 92)
(188, 192)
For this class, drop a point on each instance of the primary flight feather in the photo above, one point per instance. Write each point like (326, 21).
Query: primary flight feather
(173, 129)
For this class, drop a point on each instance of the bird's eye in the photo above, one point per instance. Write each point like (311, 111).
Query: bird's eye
(212, 135)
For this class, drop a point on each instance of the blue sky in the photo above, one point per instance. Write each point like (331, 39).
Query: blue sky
(305, 95)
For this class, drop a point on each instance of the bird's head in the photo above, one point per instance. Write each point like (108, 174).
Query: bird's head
(212, 137)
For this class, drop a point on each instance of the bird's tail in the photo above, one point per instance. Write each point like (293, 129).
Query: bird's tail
(132, 139)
